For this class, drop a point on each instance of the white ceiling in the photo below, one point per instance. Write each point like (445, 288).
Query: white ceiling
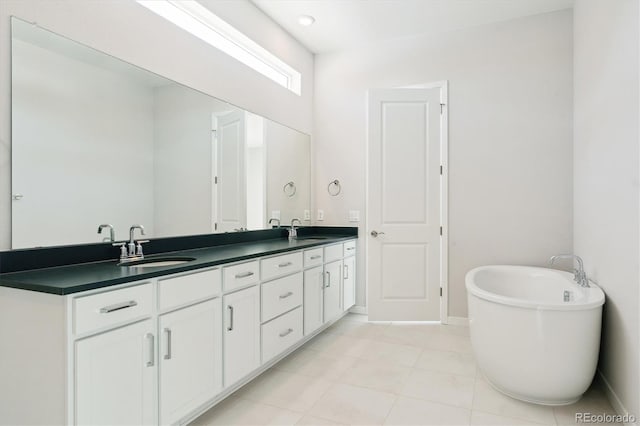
(344, 24)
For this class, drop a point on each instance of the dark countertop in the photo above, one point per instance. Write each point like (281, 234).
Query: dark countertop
(88, 276)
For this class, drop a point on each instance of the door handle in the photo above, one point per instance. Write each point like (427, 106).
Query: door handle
(230, 328)
(168, 334)
(346, 272)
(328, 279)
(375, 233)
(152, 345)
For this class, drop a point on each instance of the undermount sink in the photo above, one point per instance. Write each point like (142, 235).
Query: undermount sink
(158, 262)
(313, 238)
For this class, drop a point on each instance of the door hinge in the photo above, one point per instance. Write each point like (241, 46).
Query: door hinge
(215, 180)
(442, 107)
(441, 231)
(440, 291)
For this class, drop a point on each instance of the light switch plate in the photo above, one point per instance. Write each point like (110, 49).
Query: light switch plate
(354, 215)
(307, 215)
(320, 215)
(275, 214)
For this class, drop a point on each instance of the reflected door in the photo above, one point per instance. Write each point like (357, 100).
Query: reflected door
(403, 206)
(230, 186)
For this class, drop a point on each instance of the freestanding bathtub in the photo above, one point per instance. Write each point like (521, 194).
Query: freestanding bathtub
(535, 332)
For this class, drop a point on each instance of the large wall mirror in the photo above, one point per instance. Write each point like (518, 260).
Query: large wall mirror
(97, 140)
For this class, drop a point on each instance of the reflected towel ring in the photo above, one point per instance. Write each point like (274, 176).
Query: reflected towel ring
(337, 190)
(289, 192)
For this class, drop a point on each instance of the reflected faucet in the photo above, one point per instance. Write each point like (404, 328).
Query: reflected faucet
(579, 275)
(112, 234)
(275, 219)
(293, 232)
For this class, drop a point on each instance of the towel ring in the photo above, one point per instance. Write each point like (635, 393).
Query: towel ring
(336, 185)
(289, 192)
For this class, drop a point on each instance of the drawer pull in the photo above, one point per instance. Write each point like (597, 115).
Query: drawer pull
(168, 333)
(317, 256)
(288, 331)
(244, 274)
(350, 248)
(118, 306)
(284, 296)
(230, 328)
(151, 346)
(285, 264)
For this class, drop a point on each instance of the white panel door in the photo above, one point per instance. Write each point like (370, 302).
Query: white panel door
(230, 164)
(332, 306)
(241, 334)
(313, 299)
(116, 377)
(403, 207)
(190, 359)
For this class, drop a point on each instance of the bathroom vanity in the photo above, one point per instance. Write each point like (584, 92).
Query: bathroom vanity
(98, 343)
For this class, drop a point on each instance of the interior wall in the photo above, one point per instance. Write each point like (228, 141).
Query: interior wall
(510, 137)
(131, 32)
(606, 180)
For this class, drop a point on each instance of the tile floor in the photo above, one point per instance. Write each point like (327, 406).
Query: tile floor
(360, 373)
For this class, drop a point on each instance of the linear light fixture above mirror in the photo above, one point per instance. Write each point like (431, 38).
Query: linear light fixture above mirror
(199, 21)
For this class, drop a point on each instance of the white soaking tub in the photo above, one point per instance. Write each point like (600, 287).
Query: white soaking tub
(535, 332)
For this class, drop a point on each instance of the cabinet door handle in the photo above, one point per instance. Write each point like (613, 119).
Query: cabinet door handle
(118, 306)
(167, 331)
(346, 272)
(285, 264)
(328, 279)
(244, 274)
(230, 328)
(317, 256)
(287, 294)
(151, 339)
(288, 331)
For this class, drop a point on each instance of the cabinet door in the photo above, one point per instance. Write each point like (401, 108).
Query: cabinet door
(116, 377)
(332, 291)
(241, 334)
(313, 299)
(349, 282)
(190, 358)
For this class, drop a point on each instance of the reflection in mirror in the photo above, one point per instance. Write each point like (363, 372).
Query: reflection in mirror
(96, 141)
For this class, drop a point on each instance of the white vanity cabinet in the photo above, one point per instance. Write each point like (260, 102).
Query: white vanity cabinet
(313, 299)
(349, 275)
(241, 334)
(332, 307)
(115, 377)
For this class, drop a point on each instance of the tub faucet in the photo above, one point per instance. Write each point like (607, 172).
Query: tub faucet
(293, 232)
(579, 275)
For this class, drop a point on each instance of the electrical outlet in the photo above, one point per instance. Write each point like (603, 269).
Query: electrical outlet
(275, 214)
(320, 214)
(354, 215)
(307, 215)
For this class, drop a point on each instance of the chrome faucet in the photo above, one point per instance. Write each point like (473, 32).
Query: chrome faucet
(293, 232)
(112, 234)
(133, 249)
(579, 275)
(275, 219)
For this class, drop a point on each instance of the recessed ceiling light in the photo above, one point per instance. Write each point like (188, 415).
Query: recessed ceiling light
(306, 20)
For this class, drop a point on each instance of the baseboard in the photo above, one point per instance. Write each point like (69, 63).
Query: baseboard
(617, 405)
(359, 310)
(458, 321)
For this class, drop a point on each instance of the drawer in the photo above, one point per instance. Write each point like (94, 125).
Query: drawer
(191, 287)
(112, 308)
(281, 295)
(241, 275)
(349, 248)
(281, 333)
(313, 257)
(332, 253)
(277, 266)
